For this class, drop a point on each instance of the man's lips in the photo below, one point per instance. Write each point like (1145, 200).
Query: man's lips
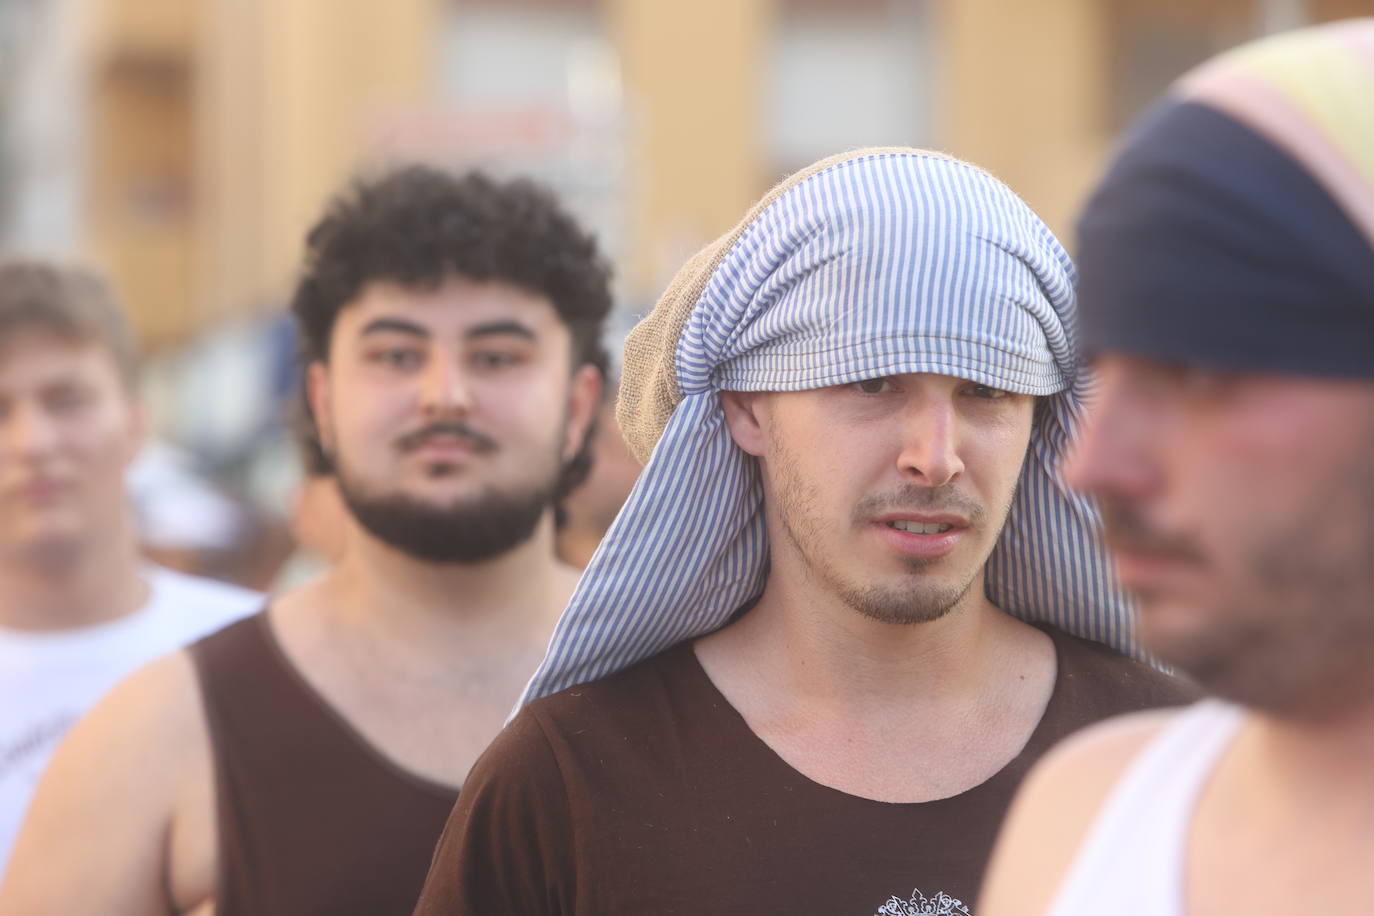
(922, 522)
(444, 447)
(38, 490)
(1140, 568)
(1146, 556)
(921, 534)
(447, 440)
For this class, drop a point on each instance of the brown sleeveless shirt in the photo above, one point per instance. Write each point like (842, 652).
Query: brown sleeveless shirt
(312, 818)
(646, 792)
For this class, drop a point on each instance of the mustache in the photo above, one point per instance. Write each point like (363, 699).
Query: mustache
(1127, 530)
(913, 498)
(457, 429)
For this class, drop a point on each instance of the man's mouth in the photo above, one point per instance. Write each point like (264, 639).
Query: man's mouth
(448, 437)
(1128, 534)
(921, 538)
(38, 490)
(920, 527)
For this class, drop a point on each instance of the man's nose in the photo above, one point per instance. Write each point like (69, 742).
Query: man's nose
(446, 390)
(1112, 454)
(930, 444)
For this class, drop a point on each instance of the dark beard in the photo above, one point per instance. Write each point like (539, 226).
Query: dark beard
(465, 532)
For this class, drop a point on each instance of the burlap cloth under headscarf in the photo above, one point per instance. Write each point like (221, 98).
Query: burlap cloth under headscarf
(651, 348)
(872, 263)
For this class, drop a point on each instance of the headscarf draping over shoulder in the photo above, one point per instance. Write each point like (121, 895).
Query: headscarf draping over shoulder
(1235, 229)
(874, 263)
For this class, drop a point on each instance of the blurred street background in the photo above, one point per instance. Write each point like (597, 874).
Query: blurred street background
(185, 145)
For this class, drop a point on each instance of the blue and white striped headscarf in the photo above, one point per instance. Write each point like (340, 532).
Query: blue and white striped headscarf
(874, 263)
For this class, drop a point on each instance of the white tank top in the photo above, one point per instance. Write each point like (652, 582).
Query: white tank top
(1132, 861)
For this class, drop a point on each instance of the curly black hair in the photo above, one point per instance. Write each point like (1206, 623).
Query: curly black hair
(417, 226)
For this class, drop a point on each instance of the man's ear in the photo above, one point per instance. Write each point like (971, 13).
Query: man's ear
(317, 396)
(584, 400)
(742, 417)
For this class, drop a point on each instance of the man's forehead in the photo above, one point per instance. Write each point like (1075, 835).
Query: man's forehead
(1131, 361)
(455, 307)
(1128, 366)
(52, 352)
(933, 377)
(931, 380)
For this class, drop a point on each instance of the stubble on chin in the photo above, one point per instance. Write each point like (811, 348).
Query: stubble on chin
(907, 606)
(921, 597)
(1294, 639)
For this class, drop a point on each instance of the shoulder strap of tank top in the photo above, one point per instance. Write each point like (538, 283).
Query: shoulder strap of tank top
(298, 792)
(255, 706)
(1133, 853)
(233, 656)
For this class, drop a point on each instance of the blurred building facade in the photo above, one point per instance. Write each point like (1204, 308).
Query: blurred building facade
(185, 145)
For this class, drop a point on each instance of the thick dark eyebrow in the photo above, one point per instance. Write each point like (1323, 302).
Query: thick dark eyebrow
(393, 325)
(500, 328)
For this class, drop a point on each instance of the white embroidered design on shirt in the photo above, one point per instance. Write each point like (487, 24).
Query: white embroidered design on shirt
(919, 904)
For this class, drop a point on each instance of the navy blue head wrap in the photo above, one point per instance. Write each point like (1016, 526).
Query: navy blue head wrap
(1235, 230)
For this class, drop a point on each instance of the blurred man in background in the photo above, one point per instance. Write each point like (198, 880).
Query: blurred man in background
(78, 607)
(304, 760)
(317, 516)
(1228, 294)
(589, 510)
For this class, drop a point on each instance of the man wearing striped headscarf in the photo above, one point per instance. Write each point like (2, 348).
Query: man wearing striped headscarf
(791, 679)
(1228, 294)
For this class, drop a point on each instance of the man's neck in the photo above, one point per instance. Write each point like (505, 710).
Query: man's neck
(517, 593)
(451, 645)
(90, 584)
(1296, 795)
(829, 690)
(1331, 757)
(829, 655)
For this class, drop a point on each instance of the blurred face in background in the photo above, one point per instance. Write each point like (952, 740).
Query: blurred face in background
(68, 430)
(449, 413)
(592, 506)
(1240, 509)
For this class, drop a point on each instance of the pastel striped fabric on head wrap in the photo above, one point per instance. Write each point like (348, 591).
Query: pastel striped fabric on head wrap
(1235, 229)
(874, 263)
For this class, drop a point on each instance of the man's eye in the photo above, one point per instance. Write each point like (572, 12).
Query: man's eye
(873, 385)
(988, 393)
(494, 359)
(1205, 382)
(397, 358)
(67, 399)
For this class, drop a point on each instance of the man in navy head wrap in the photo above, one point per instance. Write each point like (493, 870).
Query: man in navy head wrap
(1228, 295)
